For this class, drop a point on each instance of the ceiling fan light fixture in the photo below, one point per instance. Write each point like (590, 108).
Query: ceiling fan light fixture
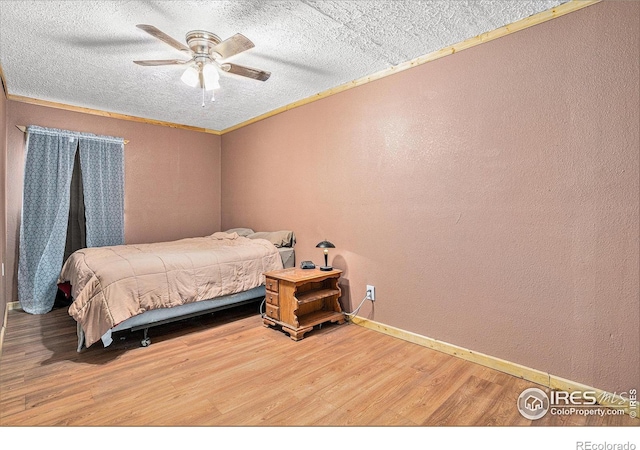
(211, 77)
(206, 50)
(190, 77)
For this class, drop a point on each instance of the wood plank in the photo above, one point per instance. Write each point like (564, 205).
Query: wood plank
(113, 115)
(468, 403)
(542, 378)
(23, 128)
(228, 370)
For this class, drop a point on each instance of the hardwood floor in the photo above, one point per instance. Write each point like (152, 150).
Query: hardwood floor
(229, 370)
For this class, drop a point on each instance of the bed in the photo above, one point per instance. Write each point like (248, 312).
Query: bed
(135, 287)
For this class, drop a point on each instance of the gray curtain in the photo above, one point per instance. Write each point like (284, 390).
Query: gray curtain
(49, 166)
(102, 164)
(45, 210)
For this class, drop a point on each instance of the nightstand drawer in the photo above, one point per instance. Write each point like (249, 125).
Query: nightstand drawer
(273, 311)
(272, 298)
(271, 284)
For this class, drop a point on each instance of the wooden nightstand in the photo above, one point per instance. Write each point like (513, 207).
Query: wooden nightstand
(298, 299)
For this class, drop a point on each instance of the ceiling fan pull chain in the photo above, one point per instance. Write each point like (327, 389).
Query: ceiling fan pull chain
(203, 96)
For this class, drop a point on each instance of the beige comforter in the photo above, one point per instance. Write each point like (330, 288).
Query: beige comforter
(111, 284)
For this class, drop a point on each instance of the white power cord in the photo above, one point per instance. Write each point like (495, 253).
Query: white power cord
(355, 311)
(262, 314)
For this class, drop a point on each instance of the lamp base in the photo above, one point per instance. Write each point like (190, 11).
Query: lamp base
(326, 268)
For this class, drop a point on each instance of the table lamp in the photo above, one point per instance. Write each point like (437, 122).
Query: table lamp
(326, 245)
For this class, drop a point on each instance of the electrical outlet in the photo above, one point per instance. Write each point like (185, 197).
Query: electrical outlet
(371, 292)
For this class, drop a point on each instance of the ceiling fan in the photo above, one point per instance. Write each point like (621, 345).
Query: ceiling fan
(207, 54)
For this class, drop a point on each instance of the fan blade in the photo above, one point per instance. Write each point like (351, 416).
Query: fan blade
(246, 71)
(162, 62)
(153, 31)
(232, 46)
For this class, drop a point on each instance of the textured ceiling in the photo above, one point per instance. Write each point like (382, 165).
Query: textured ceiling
(80, 53)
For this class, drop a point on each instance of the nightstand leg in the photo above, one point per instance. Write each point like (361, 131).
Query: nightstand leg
(296, 335)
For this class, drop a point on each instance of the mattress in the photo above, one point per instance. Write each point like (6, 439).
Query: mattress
(113, 284)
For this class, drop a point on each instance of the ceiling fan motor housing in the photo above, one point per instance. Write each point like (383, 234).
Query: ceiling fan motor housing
(202, 43)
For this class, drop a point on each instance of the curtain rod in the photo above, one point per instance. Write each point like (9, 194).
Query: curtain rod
(24, 130)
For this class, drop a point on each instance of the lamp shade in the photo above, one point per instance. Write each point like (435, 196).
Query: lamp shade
(211, 77)
(191, 76)
(325, 244)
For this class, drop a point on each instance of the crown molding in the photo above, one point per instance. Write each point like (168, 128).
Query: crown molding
(112, 115)
(544, 16)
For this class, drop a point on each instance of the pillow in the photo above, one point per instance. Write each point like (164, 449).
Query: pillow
(284, 238)
(241, 231)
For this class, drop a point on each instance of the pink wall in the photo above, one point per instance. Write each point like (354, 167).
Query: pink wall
(172, 176)
(3, 203)
(490, 196)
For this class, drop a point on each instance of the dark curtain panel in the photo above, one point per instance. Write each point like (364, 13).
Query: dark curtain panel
(76, 230)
